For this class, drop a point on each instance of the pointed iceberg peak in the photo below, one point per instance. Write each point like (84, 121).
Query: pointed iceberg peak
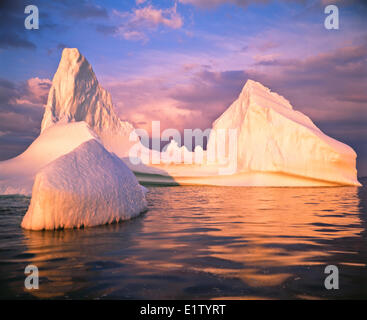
(261, 95)
(75, 94)
(252, 83)
(73, 64)
(72, 58)
(71, 54)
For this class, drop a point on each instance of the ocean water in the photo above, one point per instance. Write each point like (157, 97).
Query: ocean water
(198, 243)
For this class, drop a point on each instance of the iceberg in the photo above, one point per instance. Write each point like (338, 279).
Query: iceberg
(86, 187)
(272, 137)
(275, 144)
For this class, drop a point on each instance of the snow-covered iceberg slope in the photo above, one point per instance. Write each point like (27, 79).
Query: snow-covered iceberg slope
(75, 95)
(17, 174)
(87, 187)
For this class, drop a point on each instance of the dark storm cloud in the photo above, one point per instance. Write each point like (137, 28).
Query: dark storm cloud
(12, 39)
(21, 110)
(340, 73)
(207, 88)
(13, 33)
(84, 9)
(58, 47)
(8, 91)
(12, 30)
(75, 10)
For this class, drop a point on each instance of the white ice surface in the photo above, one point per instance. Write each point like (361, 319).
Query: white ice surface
(276, 146)
(87, 187)
(274, 138)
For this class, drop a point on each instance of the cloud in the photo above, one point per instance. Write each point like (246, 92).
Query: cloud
(59, 47)
(21, 110)
(13, 34)
(84, 10)
(144, 20)
(143, 100)
(328, 86)
(35, 91)
(215, 3)
(244, 3)
(333, 87)
(12, 39)
(193, 102)
(71, 9)
(340, 74)
(211, 92)
(154, 17)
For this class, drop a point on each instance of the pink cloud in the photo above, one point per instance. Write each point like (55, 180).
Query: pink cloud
(35, 92)
(21, 110)
(214, 3)
(143, 20)
(155, 17)
(23, 101)
(327, 86)
(143, 100)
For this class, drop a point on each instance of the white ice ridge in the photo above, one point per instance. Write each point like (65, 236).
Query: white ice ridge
(75, 95)
(87, 187)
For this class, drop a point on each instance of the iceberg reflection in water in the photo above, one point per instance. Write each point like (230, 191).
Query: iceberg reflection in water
(198, 242)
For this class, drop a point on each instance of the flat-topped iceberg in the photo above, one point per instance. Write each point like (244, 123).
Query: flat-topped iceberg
(272, 137)
(274, 145)
(87, 187)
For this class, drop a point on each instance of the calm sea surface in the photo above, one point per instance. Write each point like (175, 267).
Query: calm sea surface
(198, 243)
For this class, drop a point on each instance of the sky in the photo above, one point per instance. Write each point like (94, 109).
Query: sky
(183, 62)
